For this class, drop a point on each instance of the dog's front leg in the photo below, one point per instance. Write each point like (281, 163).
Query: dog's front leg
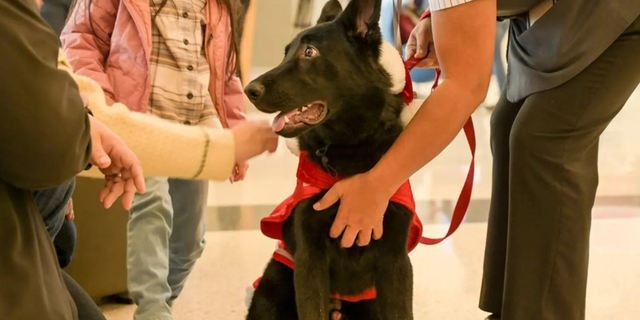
(395, 288)
(311, 280)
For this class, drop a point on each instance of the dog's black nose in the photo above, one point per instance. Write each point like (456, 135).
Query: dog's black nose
(254, 91)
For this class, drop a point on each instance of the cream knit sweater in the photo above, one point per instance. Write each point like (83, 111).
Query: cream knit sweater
(164, 148)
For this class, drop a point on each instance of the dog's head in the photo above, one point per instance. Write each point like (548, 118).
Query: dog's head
(331, 77)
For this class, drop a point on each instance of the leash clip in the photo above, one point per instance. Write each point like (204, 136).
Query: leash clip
(322, 153)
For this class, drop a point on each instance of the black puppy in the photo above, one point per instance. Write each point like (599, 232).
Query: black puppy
(333, 95)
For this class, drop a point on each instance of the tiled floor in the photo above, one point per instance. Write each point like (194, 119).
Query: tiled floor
(447, 276)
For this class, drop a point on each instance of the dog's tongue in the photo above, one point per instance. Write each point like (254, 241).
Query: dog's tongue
(278, 123)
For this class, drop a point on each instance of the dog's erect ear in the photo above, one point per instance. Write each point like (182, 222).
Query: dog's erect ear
(361, 17)
(330, 11)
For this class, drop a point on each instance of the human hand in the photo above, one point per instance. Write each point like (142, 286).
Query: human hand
(239, 171)
(252, 139)
(122, 169)
(420, 45)
(70, 215)
(363, 203)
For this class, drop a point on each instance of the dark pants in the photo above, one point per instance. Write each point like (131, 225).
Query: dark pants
(52, 204)
(87, 308)
(545, 176)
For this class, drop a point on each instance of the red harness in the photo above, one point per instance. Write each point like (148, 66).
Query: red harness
(313, 180)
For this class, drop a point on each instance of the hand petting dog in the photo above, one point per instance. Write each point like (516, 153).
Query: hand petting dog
(362, 192)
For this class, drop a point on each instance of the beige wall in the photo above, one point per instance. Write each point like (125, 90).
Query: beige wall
(274, 30)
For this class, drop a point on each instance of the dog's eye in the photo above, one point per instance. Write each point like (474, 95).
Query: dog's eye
(310, 52)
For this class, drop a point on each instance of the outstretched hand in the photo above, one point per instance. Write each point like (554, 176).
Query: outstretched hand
(121, 168)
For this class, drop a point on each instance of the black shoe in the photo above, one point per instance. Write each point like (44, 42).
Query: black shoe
(120, 298)
(493, 317)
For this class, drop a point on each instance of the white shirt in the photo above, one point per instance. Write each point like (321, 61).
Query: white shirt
(436, 5)
(180, 72)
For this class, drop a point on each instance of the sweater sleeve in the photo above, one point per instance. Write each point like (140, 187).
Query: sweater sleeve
(164, 148)
(170, 149)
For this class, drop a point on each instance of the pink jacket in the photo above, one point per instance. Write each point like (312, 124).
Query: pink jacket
(118, 55)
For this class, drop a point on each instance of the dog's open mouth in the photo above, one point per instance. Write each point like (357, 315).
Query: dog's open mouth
(309, 114)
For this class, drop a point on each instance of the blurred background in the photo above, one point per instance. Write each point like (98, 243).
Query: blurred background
(447, 281)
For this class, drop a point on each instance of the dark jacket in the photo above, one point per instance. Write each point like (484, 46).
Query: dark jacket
(563, 42)
(44, 142)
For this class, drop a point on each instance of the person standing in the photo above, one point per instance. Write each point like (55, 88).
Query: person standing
(572, 67)
(36, 152)
(176, 60)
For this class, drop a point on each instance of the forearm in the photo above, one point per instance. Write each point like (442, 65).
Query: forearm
(463, 37)
(431, 130)
(164, 148)
(170, 149)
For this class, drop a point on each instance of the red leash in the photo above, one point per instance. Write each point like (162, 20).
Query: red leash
(465, 195)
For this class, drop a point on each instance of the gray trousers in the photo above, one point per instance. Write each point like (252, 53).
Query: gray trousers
(545, 176)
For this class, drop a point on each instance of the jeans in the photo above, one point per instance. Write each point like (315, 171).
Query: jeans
(52, 204)
(386, 25)
(65, 243)
(55, 12)
(166, 237)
